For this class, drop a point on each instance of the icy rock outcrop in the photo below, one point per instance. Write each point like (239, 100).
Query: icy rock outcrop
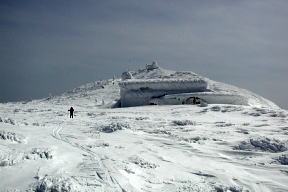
(9, 121)
(57, 184)
(142, 162)
(152, 66)
(126, 75)
(283, 159)
(222, 188)
(43, 153)
(263, 144)
(183, 122)
(112, 127)
(10, 136)
(10, 158)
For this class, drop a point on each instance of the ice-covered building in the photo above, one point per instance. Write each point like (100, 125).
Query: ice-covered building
(155, 85)
(153, 82)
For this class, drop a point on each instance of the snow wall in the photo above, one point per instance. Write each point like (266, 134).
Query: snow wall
(207, 97)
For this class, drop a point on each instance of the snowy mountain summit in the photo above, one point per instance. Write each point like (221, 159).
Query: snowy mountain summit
(153, 130)
(155, 85)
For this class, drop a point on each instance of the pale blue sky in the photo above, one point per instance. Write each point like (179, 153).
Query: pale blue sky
(49, 46)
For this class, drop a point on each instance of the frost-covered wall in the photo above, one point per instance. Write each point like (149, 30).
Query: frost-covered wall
(140, 92)
(207, 97)
(196, 84)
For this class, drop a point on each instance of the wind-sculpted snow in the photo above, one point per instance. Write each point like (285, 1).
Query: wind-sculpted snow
(90, 86)
(257, 111)
(43, 153)
(10, 136)
(149, 148)
(10, 157)
(252, 98)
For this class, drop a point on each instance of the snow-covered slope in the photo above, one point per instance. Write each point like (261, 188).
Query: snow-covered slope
(219, 147)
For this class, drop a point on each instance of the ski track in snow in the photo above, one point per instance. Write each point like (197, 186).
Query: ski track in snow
(105, 174)
(150, 148)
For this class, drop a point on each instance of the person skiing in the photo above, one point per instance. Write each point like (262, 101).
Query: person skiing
(194, 100)
(71, 112)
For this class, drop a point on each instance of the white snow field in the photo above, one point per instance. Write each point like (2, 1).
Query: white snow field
(235, 146)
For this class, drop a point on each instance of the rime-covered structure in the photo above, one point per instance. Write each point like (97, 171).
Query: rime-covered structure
(155, 85)
(142, 92)
(155, 82)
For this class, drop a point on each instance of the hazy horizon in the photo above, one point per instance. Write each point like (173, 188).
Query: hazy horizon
(51, 47)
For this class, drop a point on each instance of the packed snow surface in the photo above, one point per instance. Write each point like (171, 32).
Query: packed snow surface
(177, 148)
